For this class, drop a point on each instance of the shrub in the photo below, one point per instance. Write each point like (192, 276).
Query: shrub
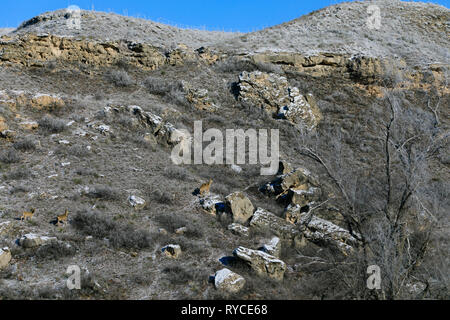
(10, 156)
(100, 226)
(120, 78)
(104, 192)
(55, 250)
(52, 125)
(19, 174)
(25, 144)
(176, 173)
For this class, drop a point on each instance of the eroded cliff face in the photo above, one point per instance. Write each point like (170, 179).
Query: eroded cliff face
(368, 73)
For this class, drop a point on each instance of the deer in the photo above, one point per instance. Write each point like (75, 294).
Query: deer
(28, 214)
(63, 217)
(204, 188)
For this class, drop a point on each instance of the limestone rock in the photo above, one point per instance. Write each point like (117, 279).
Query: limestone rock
(228, 281)
(5, 257)
(264, 220)
(262, 263)
(241, 207)
(31, 240)
(239, 229)
(3, 125)
(272, 93)
(46, 102)
(273, 247)
(198, 97)
(137, 202)
(212, 204)
(172, 251)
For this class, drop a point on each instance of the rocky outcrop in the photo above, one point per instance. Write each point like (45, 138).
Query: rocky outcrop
(241, 207)
(272, 93)
(32, 50)
(37, 101)
(228, 281)
(164, 131)
(32, 240)
(198, 97)
(262, 263)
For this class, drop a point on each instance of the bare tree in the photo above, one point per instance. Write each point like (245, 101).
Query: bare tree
(387, 203)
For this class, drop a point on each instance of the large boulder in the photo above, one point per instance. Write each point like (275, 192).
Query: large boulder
(321, 231)
(32, 240)
(241, 207)
(228, 281)
(272, 93)
(5, 257)
(264, 220)
(262, 263)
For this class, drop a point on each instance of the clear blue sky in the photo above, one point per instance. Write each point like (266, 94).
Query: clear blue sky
(228, 15)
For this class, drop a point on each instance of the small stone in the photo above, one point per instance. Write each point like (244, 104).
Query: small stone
(228, 281)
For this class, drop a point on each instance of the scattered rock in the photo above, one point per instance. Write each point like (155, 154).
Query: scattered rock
(262, 263)
(212, 204)
(5, 257)
(228, 281)
(264, 220)
(181, 230)
(241, 207)
(29, 125)
(31, 240)
(236, 168)
(239, 229)
(273, 247)
(172, 251)
(137, 202)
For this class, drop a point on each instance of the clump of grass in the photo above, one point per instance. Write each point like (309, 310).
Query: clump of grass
(119, 78)
(104, 192)
(10, 156)
(52, 125)
(176, 173)
(19, 174)
(26, 144)
(119, 235)
(55, 250)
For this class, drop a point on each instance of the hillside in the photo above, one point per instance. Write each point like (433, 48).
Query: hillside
(90, 119)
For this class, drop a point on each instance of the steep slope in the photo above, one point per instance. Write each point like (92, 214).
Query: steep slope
(411, 30)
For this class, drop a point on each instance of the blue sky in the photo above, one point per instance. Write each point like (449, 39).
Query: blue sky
(228, 15)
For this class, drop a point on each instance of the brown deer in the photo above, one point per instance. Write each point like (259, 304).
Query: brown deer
(204, 188)
(28, 214)
(63, 217)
